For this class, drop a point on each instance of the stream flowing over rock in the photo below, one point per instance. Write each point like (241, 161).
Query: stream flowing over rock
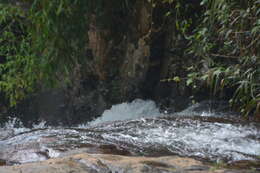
(137, 129)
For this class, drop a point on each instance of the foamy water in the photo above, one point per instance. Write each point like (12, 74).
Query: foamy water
(198, 138)
(141, 129)
(125, 111)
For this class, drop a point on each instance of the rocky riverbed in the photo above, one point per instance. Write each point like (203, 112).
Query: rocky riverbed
(189, 141)
(104, 163)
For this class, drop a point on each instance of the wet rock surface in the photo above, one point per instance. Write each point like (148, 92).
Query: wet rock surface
(149, 142)
(101, 163)
(208, 138)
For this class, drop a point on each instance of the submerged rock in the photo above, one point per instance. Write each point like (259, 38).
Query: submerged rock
(101, 163)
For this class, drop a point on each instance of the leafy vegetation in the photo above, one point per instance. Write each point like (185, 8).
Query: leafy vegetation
(43, 39)
(224, 41)
(17, 68)
(39, 44)
(227, 42)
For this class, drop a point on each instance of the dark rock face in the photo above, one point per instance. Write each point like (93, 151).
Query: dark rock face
(57, 108)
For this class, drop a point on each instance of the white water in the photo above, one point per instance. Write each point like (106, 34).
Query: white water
(147, 109)
(208, 108)
(136, 109)
(193, 138)
(231, 141)
(125, 111)
(139, 127)
(17, 126)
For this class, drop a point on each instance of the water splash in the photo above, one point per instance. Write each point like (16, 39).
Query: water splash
(13, 123)
(40, 125)
(208, 108)
(140, 129)
(133, 110)
(16, 125)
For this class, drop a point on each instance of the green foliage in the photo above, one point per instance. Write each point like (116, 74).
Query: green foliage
(59, 36)
(223, 40)
(39, 44)
(47, 39)
(227, 42)
(17, 75)
(41, 41)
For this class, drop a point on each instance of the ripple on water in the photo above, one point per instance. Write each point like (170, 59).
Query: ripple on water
(188, 137)
(208, 137)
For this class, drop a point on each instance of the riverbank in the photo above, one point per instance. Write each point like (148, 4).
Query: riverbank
(102, 163)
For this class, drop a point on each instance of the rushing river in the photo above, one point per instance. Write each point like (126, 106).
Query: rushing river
(138, 128)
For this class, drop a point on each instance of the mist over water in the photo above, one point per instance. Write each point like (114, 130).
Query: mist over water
(139, 128)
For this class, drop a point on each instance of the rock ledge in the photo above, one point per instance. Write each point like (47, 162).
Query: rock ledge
(106, 163)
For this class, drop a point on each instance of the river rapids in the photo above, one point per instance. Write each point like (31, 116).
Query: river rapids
(137, 128)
